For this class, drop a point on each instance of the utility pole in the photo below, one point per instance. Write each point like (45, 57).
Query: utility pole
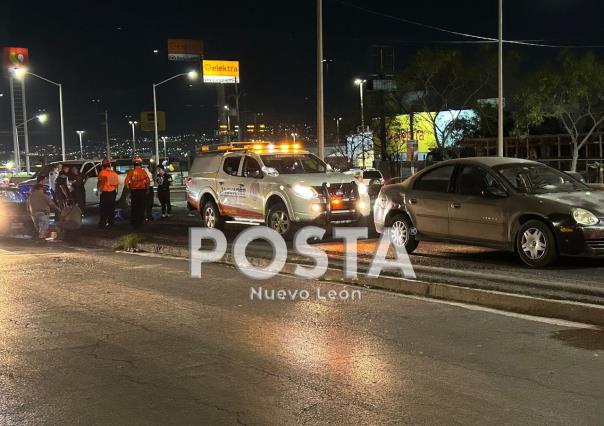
(500, 74)
(25, 130)
(17, 154)
(320, 101)
(107, 134)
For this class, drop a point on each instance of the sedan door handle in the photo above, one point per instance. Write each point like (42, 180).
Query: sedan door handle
(413, 200)
(455, 205)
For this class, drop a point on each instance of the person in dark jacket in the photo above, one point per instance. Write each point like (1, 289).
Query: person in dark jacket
(163, 180)
(78, 188)
(62, 184)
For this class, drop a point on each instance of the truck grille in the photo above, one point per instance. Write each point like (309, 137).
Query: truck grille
(346, 190)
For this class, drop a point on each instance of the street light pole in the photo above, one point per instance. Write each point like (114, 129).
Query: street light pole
(165, 150)
(40, 117)
(500, 150)
(60, 86)
(320, 101)
(133, 123)
(80, 133)
(25, 130)
(228, 114)
(360, 83)
(192, 76)
(338, 119)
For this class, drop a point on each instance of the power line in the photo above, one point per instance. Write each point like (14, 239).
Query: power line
(467, 35)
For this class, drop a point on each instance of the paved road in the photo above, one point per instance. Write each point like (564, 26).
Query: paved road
(94, 337)
(433, 261)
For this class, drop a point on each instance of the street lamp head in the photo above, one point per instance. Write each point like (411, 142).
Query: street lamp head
(226, 107)
(80, 132)
(42, 118)
(19, 72)
(193, 75)
(359, 81)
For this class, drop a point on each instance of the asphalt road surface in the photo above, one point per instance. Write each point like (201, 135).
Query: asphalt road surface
(93, 337)
(438, 258)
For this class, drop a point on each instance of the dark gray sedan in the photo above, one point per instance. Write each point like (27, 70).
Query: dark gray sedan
(503, 203)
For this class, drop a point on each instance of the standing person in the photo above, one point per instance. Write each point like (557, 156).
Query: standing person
(150, 197)
(137, 181)
(164, 181)
(62, 192)
(78, 188)
(39, 206)
(107, 186)
(53, 173)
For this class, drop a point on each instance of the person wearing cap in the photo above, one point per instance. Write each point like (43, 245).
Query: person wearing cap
(164, 181)
(107, 186)
(137, 181)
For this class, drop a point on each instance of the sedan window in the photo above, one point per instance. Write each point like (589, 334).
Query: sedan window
(473, 181)
(436, 180)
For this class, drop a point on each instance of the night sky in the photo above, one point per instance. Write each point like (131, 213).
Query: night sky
(104, 50)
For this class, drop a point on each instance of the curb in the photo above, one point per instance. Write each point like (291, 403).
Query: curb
(512, 302)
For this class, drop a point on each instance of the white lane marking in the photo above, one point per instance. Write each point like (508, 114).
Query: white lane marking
(544, 320)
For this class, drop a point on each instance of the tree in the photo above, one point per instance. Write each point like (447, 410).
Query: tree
(570, 90)
(440, 83)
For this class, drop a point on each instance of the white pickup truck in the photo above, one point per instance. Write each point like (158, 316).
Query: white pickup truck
(280, 186)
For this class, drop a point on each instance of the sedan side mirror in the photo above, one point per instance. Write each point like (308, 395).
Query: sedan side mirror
(494, 192)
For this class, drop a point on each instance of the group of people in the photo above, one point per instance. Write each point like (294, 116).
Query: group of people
(67, 187)
(140, 182)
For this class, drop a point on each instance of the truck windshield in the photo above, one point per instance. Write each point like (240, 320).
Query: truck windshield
(291, 164)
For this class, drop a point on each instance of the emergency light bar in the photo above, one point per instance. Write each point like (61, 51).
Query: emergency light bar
(250, 146)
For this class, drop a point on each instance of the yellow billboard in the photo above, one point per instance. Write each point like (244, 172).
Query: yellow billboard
(216, 71)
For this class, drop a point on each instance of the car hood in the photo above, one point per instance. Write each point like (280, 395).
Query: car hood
(27, 182)
(589, 200)
(314, 179)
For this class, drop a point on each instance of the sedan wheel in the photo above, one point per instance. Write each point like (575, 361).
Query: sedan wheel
(536, 244)
(400, 233)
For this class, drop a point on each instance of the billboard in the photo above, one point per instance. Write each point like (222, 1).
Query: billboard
(220, 72)
(15, 57)
(148, 121)
(185, 50)
(426, 126)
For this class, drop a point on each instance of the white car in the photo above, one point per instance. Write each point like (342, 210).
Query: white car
(90, 168)
(281, 186)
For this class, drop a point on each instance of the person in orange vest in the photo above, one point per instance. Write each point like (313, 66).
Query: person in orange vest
(107, 185)
(137, 181)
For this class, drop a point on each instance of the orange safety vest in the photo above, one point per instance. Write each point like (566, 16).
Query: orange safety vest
(137, 178)
(108, 180)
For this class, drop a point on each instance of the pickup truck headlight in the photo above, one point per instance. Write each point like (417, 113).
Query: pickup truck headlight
(362, 188)
(305, 192)
(584, 217)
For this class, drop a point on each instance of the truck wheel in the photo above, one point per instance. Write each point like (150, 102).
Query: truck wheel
(211, 216)
(400, 233)
(536, 244)
(279, 220)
